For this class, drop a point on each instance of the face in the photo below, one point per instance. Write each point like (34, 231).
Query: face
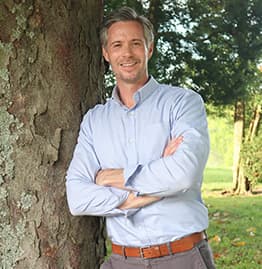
(127, 53)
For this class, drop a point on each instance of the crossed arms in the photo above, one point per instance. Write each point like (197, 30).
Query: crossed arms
(111, 192)
(115, 178)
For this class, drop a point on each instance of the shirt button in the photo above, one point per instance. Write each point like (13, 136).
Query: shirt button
(131, 140)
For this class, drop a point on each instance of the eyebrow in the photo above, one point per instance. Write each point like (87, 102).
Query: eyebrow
(119, 41)
(137, 39)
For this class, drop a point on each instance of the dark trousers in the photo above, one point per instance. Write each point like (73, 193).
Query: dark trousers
(200, 257)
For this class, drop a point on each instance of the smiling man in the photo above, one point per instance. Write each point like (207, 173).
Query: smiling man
(127, 52)
(140, 158)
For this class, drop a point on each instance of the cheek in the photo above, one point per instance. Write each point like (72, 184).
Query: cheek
(111, 58)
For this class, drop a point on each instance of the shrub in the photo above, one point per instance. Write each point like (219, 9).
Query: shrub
(251, 154)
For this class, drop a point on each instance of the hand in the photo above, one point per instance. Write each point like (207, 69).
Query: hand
(172, 146)
(138, 201)
(111, 177)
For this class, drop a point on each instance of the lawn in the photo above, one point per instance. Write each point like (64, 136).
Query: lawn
(235, 229)
(216, 180)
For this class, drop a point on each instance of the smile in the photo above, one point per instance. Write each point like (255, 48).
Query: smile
(128, 64)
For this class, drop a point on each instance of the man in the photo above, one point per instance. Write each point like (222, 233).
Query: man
(140, 158)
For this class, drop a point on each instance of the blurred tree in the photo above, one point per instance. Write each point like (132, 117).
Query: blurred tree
(228, 45)
(227, 42)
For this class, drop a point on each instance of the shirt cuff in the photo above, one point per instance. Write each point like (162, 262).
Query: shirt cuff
(123, 195)
(129, 173)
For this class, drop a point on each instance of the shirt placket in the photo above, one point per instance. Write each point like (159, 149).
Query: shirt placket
(132, 153)
(131, 144)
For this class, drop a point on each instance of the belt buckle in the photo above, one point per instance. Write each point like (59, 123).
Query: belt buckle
(153, 252)
(123, 251)
(142, 252)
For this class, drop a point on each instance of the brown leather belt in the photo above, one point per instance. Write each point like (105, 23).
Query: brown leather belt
(156, 251)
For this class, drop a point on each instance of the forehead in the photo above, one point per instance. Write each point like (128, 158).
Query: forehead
(125, 30)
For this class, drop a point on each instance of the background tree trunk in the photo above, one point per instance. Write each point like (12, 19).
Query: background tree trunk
(253, 126)
(238, 138)
(50, 74)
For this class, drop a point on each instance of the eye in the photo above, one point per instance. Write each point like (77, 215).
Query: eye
(116, 45)
(137, 43)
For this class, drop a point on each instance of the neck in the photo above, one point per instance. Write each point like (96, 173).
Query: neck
(126, 92)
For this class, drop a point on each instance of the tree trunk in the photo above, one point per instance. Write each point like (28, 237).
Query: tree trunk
(153, 15)
(253, 127)
(243, 185)
(238, 138)
(50, 74)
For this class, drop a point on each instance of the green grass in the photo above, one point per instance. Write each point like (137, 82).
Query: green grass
(216, 180)
(235, 229)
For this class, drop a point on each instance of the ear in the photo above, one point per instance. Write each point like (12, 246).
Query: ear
(150, 50)
(105, 54)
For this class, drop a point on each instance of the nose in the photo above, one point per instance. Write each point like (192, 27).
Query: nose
(127, 50)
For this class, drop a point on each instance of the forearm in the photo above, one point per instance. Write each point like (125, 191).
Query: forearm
(110, 177)
(115, 178)
(86, 198)
(134, 201)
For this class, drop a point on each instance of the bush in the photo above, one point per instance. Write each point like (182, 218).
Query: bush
(251, 155)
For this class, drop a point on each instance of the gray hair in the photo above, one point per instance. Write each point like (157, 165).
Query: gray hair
(126, 14)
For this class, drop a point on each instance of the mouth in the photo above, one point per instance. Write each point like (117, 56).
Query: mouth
(130, 64)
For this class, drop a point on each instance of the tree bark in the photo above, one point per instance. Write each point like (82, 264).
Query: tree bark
(50, 74)
(238, 138)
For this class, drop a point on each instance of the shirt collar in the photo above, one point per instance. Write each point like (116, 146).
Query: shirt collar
(141, 94)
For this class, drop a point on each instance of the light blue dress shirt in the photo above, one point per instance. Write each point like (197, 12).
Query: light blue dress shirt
(114, 136)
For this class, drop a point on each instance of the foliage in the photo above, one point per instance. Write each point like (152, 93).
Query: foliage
(251, 151)
(254, 98)
(227, 42)
(211, 46)
(221, 136)
(251, 154)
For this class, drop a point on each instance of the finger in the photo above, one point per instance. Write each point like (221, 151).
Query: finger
(176, 140)
(174, 143)
(172, 146)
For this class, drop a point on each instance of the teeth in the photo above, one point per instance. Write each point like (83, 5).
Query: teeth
(128, 64)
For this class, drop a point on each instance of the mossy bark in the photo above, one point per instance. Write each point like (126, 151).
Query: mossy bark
(50, 74)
